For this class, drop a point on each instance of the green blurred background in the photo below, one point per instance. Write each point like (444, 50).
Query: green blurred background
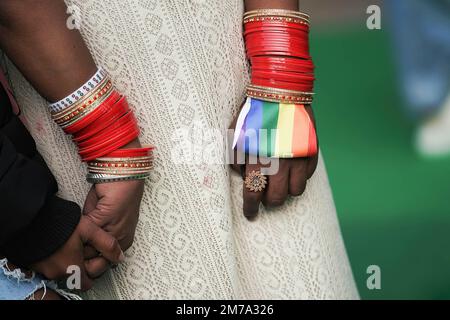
(393, 204)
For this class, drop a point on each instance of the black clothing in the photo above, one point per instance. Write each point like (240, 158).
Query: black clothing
(34, 222)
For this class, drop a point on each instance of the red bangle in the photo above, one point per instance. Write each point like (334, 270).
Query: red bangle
(91, 117)
(118, 133)
(104, 121)
(282, 61)
(275, 33)
(113, 144)
(272, 44)
(282, 85)
(107, 132)
(282, 67)
(131, 152)
(290, 50)
(112, 147)
(275, 24)
(283, 76)
(280, 53)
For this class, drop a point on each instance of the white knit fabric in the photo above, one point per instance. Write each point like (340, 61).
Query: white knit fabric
(182, 64)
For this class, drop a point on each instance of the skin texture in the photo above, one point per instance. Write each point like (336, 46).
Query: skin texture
(71, 253)
(293, 174)
(49, 53)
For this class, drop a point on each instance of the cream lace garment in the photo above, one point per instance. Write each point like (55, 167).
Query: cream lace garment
(182, 65)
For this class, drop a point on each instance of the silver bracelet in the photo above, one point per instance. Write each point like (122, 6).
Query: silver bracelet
(106, 178)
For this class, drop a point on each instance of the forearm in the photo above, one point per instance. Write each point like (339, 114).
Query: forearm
(35, 37)
(53, 58)
(271, 4)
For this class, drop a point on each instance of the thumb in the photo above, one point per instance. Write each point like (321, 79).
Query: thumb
(91, 200)
(102, 241)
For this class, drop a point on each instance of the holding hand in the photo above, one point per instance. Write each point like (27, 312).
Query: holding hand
(87, 233)
(115, 208)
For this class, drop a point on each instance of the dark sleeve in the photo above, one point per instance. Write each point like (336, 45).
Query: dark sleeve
(34, 223)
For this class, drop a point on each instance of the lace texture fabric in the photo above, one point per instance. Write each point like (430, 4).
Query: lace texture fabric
(182, 65)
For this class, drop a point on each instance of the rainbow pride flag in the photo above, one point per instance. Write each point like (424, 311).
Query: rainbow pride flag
(275, 130)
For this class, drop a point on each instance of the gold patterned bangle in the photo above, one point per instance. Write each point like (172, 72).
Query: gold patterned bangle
(125, 165)
(122, 172)
(279, 95)
(81, 105)
(95, 91)
(284, 91)
(283, 19)
(276, 12)
(78, 115)
(104, 159)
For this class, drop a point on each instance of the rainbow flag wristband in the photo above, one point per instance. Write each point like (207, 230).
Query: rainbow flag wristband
(276, 130)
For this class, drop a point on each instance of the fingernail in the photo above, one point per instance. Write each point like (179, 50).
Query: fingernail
(121, 257)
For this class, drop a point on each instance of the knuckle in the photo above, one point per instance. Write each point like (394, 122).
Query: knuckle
(253, 197)
(111, 244)
(275, 201)
(298, 191)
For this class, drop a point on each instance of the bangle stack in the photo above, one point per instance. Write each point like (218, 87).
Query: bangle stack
(278, 48)
(274, 121)
(132, 164)
(101, 122)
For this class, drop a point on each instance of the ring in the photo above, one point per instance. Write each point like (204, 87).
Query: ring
(255, 181)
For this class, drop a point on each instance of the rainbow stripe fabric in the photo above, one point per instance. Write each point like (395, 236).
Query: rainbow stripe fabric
(275, 130)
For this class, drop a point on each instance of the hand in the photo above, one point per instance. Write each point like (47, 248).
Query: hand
(86, 233)
(290, 179)
(115, 208)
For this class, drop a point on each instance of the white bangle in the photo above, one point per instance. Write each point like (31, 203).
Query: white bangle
(72, 98)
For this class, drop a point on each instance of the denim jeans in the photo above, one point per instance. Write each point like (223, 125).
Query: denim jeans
(421, 42)
(15, 285)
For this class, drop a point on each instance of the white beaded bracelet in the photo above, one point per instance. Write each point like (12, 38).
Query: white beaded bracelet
(72, 98)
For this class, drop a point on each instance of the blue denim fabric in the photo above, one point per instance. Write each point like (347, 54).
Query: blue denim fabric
(421, 40)
(14, 285)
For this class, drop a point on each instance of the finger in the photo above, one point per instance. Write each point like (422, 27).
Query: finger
(102, 241)
(251, 198)
(96, 267)
(298, 176)
(91, 201)
(278, 186)
(90, 252)
(86, 282)
(312, 161)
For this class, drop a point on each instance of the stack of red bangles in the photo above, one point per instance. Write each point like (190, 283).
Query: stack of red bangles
(273, 122)
(101, 122)
(278, 48)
